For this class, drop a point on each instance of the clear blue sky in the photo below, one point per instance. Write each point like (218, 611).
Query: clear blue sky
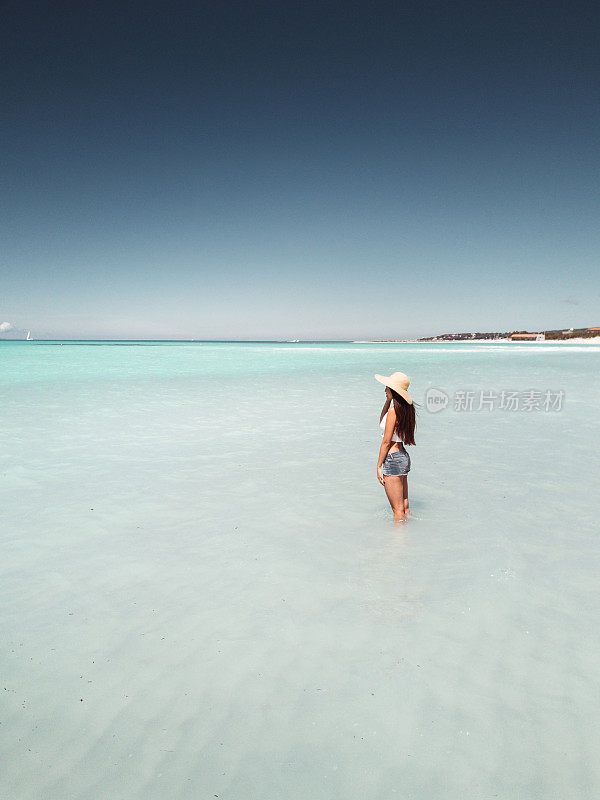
(298, 170)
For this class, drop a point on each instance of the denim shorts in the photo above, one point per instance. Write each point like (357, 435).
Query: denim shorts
(396, 463)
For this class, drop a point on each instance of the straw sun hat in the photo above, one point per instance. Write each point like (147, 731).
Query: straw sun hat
(398, 382)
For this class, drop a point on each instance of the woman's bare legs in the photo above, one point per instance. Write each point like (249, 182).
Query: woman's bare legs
(394, 488)
(405, 485)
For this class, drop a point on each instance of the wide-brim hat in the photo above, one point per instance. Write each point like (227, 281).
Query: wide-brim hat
(399, 382)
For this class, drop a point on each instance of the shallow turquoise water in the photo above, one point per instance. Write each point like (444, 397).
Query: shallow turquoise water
(204, 593)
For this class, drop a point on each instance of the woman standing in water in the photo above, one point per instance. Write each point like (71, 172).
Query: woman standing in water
(398, 423)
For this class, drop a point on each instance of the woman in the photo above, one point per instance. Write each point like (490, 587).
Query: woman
(398, 423)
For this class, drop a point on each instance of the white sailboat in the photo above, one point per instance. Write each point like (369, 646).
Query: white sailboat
(29, 337)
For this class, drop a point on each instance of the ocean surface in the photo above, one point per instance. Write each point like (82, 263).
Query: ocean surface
(204, 594)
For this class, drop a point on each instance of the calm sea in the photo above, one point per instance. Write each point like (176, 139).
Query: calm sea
(204, 594)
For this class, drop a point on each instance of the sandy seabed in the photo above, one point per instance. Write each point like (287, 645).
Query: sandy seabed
(204, 595)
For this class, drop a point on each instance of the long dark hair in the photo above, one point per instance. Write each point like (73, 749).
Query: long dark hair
(406, 418)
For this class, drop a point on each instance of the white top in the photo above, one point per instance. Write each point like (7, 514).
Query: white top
(395, 437)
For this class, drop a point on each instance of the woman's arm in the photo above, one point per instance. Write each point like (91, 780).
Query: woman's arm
(386, 443)
(385, 408)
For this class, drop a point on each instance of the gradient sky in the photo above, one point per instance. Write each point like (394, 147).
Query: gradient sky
(298, 170)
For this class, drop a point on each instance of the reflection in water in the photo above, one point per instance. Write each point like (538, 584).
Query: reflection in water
(385, 574)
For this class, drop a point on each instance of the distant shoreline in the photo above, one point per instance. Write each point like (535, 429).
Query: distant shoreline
(592, 340)
(574, 340)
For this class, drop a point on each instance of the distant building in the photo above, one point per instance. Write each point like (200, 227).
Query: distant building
(593, 330)
(527, 337)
